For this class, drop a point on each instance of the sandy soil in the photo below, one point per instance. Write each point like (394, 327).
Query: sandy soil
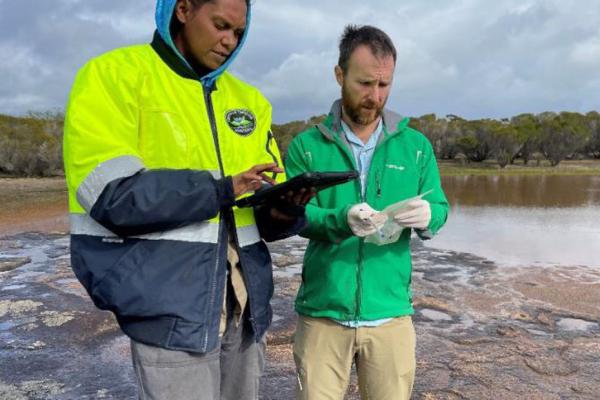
(33, 205)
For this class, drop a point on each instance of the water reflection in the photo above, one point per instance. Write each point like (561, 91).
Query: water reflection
(524, 220)
(523, 191)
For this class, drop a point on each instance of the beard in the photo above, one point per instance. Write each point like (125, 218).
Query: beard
(363, 112)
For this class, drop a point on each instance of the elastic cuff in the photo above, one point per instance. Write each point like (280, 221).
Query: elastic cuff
(290, 210)
(343, 219)
(225, 193)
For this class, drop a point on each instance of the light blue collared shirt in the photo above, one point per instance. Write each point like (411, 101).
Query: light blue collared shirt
(363, 153)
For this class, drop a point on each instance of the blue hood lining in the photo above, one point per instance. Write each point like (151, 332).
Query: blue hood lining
(163, 17)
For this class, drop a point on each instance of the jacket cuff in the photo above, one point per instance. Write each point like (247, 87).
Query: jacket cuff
(272, 230)
(343, 219)
(424, 234)
(225, 193)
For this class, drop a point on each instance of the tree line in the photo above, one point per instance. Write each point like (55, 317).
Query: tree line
(551, 136)
(32, 145)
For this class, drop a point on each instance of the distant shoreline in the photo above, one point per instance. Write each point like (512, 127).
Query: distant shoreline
(33, 205)
(588, 167)
(491, 168)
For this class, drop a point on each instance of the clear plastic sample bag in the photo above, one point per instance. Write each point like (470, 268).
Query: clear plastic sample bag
(391, 230)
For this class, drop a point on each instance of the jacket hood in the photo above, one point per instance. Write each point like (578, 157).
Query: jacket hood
(163, 17)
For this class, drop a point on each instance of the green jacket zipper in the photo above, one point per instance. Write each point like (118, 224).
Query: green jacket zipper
(363, 198)
(362, 240)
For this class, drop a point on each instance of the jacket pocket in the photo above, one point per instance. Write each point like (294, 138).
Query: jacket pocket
(160, 278)
(106, 290)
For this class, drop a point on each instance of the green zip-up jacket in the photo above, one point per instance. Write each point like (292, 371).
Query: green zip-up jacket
(343, 277)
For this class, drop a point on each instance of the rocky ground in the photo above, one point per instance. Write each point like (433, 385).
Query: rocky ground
(484, 331)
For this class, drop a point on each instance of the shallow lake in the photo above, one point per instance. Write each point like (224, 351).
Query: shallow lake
(512, 220)
(524, 220)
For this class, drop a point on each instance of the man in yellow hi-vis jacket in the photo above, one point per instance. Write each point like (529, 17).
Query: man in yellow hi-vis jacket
(159, 142)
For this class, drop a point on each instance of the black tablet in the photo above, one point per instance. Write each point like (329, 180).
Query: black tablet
(317, 180)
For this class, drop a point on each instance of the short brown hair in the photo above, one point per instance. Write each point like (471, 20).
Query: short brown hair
(354, 36)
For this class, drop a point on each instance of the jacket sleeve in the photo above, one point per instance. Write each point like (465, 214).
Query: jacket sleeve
(105, 169)
(324, 224)
(271, 229)
(153, 201)
(430, 180)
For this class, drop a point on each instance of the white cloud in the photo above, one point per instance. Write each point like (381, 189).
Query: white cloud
(469, 57)
(587, 53)
(313, 82)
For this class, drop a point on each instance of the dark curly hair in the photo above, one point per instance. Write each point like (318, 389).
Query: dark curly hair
(198, 3)
(176, 25)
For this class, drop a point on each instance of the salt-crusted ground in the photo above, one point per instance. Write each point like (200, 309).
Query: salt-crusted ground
(484, 331)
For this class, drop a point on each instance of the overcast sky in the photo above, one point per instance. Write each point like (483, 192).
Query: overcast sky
(474, 58)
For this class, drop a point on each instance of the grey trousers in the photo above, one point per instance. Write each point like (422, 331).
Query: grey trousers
(231, 372)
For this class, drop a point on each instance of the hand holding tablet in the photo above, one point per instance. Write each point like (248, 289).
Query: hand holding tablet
(307, 181)
(252, 179)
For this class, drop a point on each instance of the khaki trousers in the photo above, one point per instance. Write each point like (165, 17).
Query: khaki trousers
(384, 355)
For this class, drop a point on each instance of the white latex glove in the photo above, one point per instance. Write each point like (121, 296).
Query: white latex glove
(416, 215)
(363, 220)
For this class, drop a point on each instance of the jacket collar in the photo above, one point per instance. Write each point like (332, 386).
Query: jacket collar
(170, 58)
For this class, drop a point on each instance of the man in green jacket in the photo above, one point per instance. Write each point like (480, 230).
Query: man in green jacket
(355, 301)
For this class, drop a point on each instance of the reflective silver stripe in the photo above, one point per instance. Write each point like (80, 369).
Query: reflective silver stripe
(247, 235)
(216, 174)
(93, 185)
(83, 224)
(202, 232)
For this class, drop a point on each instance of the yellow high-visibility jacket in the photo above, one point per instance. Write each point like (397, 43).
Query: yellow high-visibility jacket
(149, 151)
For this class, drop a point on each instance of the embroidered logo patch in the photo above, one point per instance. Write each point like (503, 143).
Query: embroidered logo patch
(241, 121)
(396, 167)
